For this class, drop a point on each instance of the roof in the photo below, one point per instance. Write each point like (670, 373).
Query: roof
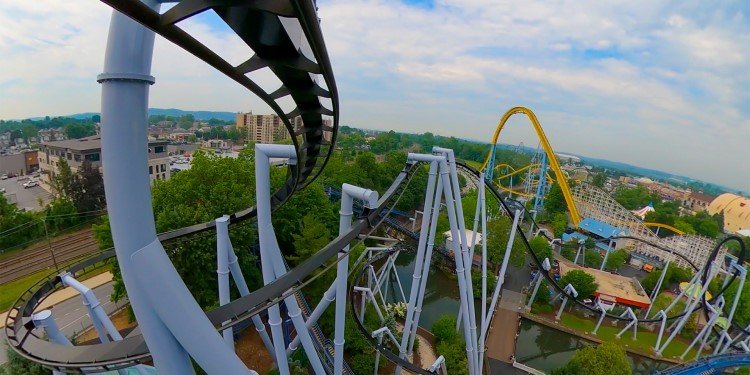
(599, 228)
(82, 144)
(469, 236)
(567, 237)
(93, 142)
(702, 197)
(736, 210)
(625, 290)
(641, 212)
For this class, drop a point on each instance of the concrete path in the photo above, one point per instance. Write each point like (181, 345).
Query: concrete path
(501, 339)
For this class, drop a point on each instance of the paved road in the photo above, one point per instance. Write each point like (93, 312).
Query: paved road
(71, 315)
(25, 198)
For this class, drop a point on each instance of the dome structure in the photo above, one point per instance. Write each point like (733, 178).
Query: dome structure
(736, 211)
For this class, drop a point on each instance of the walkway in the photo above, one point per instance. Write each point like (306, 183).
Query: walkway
(501, 339)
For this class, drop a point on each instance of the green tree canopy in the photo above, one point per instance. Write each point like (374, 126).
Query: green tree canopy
(605, 359)
(616, 259)
(584, 283)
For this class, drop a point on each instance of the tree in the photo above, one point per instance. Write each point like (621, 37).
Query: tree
(593, 258)
(18, 365)
(599, 179)
(634, 198)
(313, 236)
(87, 189)
(541, 248)
(450, 344)
(584, 283)
(63, 181)
(555, 201)
(497, 240)
(559, 223)
(616, 259)
(76, 131)
(605, 359)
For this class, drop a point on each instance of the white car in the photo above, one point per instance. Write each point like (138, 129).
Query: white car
(2, 190)
(30, 184)
(4, 177)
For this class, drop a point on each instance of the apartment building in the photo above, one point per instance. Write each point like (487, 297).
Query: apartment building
(76, 151)
(270, 128)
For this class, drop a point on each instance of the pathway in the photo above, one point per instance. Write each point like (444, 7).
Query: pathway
(501, 339)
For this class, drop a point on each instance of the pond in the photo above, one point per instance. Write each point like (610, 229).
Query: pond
(546, 348)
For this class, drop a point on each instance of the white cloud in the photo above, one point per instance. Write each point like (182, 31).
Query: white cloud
(657, 83)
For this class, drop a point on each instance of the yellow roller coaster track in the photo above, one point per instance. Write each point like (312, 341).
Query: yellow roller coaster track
(517, 171)
(665, 226)
(575, 217)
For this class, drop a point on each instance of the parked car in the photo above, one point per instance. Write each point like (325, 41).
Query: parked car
(2, 190)
(4, 177)
(30, 184)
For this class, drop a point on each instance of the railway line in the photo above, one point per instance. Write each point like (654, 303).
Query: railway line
(38, 257)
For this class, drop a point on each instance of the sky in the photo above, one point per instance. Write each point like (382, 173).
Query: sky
(658, 84)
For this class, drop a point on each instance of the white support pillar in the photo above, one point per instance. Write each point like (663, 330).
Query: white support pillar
(569, 289)
(271, 259)
(661, 328)
(125, 86)
(222, 270)
(348, 194)
(689, 308)
(432, 234)
(501, 273)
(44, 320)
(601, 317)
(655, 292)
(424, 233)
(465, 291)
(633, 323)
(546, 266)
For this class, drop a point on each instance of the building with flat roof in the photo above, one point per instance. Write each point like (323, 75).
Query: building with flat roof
(736, 211)
(271, 129)
(76, 151)
(612, 288)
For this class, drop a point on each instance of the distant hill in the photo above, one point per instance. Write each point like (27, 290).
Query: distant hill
(199, 115)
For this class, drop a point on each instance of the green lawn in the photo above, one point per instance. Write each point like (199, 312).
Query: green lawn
(474, 164)
(10, 291)
(645, 340)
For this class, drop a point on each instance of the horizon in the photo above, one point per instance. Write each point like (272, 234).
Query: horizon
(638, 84)
(730, 189)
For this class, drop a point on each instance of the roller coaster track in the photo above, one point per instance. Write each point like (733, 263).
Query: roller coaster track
(575, 217)
(709, 365)
(133, 349)
(286, 39)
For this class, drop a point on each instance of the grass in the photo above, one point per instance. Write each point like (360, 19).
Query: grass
(474, 164)
(10, 291)
(645, 340)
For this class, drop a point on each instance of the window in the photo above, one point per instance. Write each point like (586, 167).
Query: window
(77, 157)
(70, 156)
(163, 167)
(92, 157)
(150, 169)
(159, 149)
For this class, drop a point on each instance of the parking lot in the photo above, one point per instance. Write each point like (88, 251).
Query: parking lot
(24, 198)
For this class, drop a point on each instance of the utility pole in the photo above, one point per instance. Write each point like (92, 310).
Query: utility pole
(49, 245)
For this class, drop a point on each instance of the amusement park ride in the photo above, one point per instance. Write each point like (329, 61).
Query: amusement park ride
(173, 330)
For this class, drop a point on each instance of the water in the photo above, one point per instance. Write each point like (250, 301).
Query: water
(545, 349)
(538, 346)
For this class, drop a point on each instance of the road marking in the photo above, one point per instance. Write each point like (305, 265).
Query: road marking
(81, 317)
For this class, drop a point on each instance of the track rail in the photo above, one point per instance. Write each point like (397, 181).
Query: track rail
(132, 350)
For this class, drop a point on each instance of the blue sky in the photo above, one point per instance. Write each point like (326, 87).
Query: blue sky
(660, 84)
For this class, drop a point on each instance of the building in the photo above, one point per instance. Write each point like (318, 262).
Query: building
(271, 128)
(76, 151)
(215, 144)
(179, 135)
(736, 211)
(51, 135)
(697, 201)
(20, 163)
(613, 289)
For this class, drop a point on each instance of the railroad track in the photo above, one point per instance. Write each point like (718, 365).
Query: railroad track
(38, 257)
